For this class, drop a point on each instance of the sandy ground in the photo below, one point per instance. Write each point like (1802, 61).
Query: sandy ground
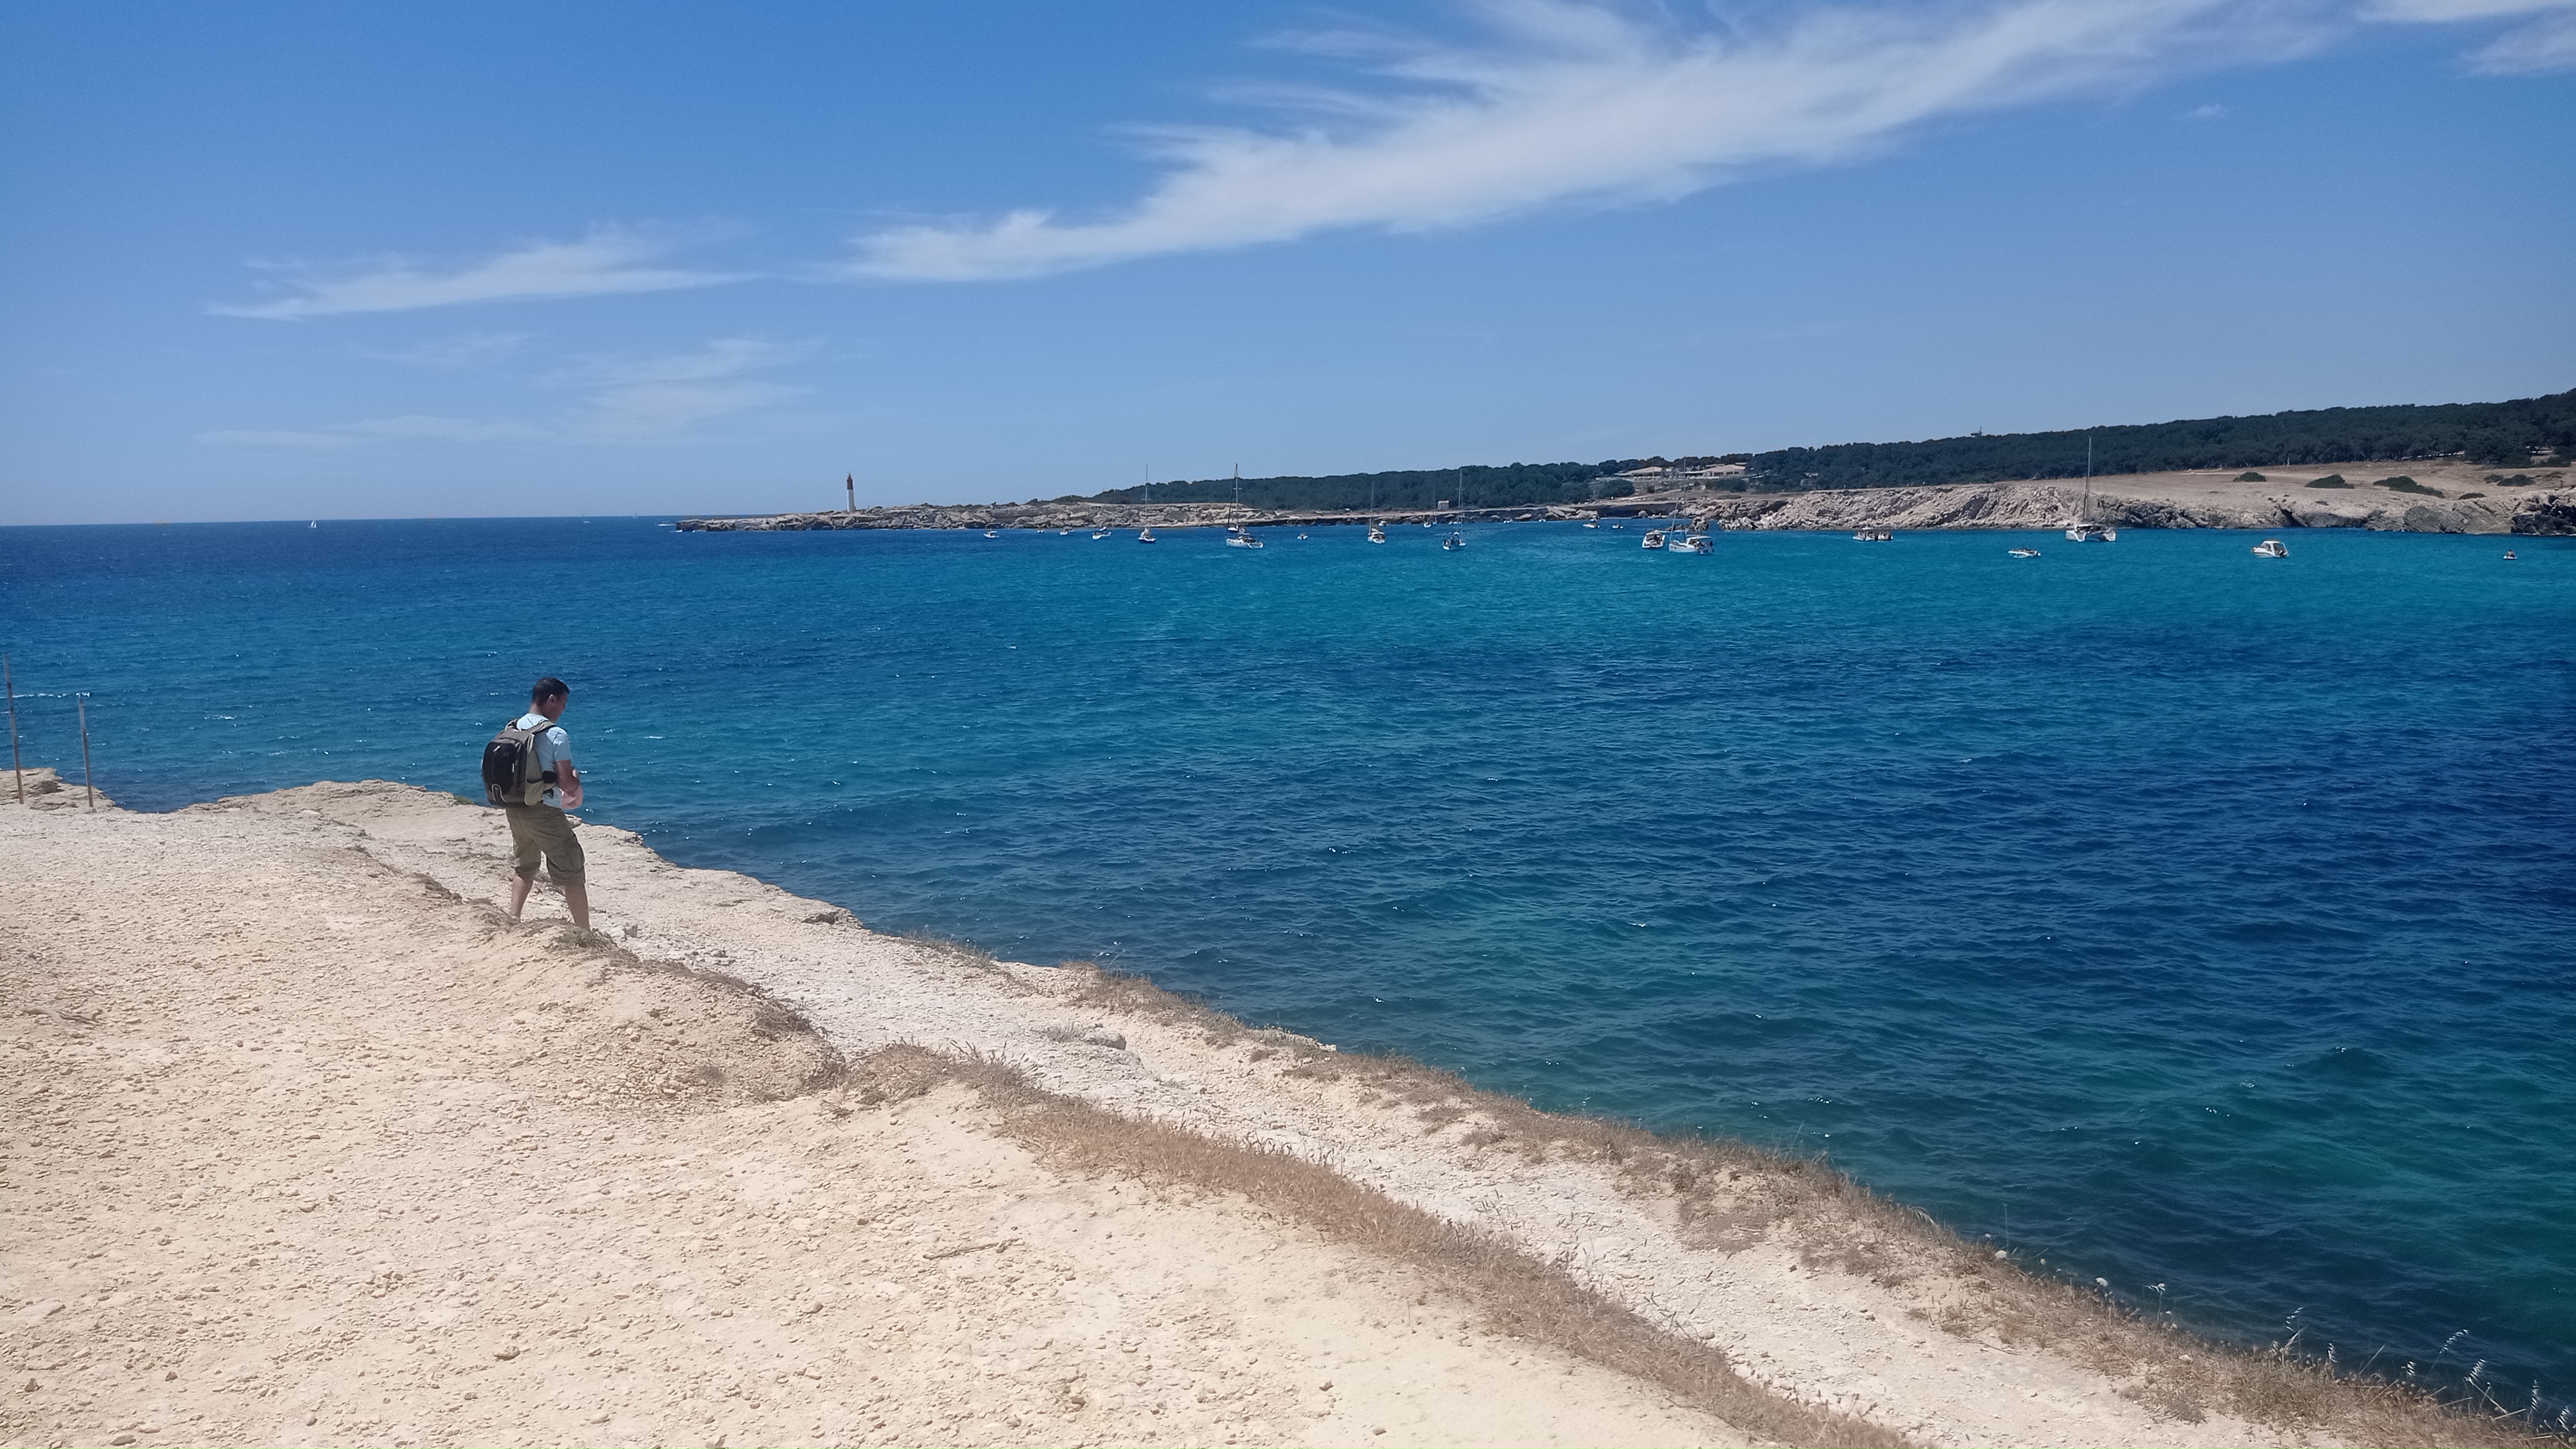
(2282, 498)
(302, 1145)
(301, 1151)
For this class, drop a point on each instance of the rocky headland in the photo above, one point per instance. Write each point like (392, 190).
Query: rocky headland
(2440, 497)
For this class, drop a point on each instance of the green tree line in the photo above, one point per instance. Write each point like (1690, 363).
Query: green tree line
(2501, 434)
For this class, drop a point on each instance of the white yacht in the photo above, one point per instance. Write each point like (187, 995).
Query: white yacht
(1688, 543)
(2081, 530)
(992, 533)
(1098, 534)
(1654, 539)
(1241, 539)
(2271, 548)
(1377, 533)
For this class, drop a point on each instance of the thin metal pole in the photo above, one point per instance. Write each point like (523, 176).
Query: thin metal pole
(87, 779)
(16, 769)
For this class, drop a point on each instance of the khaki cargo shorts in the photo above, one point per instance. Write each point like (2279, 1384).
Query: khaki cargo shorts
(543, 830)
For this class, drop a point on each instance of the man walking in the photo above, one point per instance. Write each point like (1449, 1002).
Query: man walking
(543, 829)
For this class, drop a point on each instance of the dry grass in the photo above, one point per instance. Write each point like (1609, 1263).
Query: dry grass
(1516, 1293)
(1727, 1194)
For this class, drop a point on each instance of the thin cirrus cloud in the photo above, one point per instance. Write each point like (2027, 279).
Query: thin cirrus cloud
(1581, 102)
(623, 399)
(609, 261)
(654, 397)
(2545, 41)
(410, 426)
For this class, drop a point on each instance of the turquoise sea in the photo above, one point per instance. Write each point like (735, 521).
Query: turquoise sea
(2199, 922)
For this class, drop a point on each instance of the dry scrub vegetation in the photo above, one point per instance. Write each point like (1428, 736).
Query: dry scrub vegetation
(1725, 1194)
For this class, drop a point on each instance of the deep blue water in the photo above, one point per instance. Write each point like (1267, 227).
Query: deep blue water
(2186, 918)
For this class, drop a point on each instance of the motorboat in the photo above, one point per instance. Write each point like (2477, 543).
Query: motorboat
(1098, 534)
(1146, 535)
(1453, 542)
(1240, 539)
(992, 533)
(1592, 525)
(1062, 532)
(1377, 533)
(1689, 543)
(1654, 539)
(1301, 535)
(2271, 548)
(2508, 555)
(2024, 552)
(1872, 535)
(2087, 533)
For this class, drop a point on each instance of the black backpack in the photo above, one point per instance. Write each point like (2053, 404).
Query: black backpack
(510, 774)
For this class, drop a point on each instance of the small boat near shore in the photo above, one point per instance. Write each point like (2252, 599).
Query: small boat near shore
(1654, 539)
(1241, 539)
(1098, 534)
(2271, 548)
(992, 533)
(1377, 533)
(1146, 535)
(2023, 552)
(1689, 543)
(1873, 535)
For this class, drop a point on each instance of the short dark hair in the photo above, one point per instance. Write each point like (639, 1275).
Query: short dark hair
(548, 688)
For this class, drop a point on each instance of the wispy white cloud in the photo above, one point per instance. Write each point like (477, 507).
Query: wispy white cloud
(465, 349)
(651, 397)
(332, 436)
(2546, 41)
(622, 399)
(609, 261)
(2211, 112)
(1582, 102)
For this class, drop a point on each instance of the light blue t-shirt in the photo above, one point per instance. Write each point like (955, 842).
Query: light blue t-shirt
(553, 748)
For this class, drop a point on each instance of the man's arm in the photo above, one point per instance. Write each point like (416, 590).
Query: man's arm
(568, 784)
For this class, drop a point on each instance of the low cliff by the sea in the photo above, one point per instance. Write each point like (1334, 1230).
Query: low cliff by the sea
(2429, 498)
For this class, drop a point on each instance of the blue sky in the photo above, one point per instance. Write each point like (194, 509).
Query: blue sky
(276, 260)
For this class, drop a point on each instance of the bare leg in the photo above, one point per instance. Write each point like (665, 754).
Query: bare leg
(519, 893)
(577, 900)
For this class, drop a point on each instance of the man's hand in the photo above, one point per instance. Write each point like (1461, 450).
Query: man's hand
(568, 784)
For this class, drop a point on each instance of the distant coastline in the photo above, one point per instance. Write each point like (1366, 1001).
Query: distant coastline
(2441, 497)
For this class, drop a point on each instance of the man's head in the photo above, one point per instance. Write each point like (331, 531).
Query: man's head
(548, 696)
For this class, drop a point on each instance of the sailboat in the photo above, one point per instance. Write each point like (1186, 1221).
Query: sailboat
(1377, 533)
(2081, 531)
